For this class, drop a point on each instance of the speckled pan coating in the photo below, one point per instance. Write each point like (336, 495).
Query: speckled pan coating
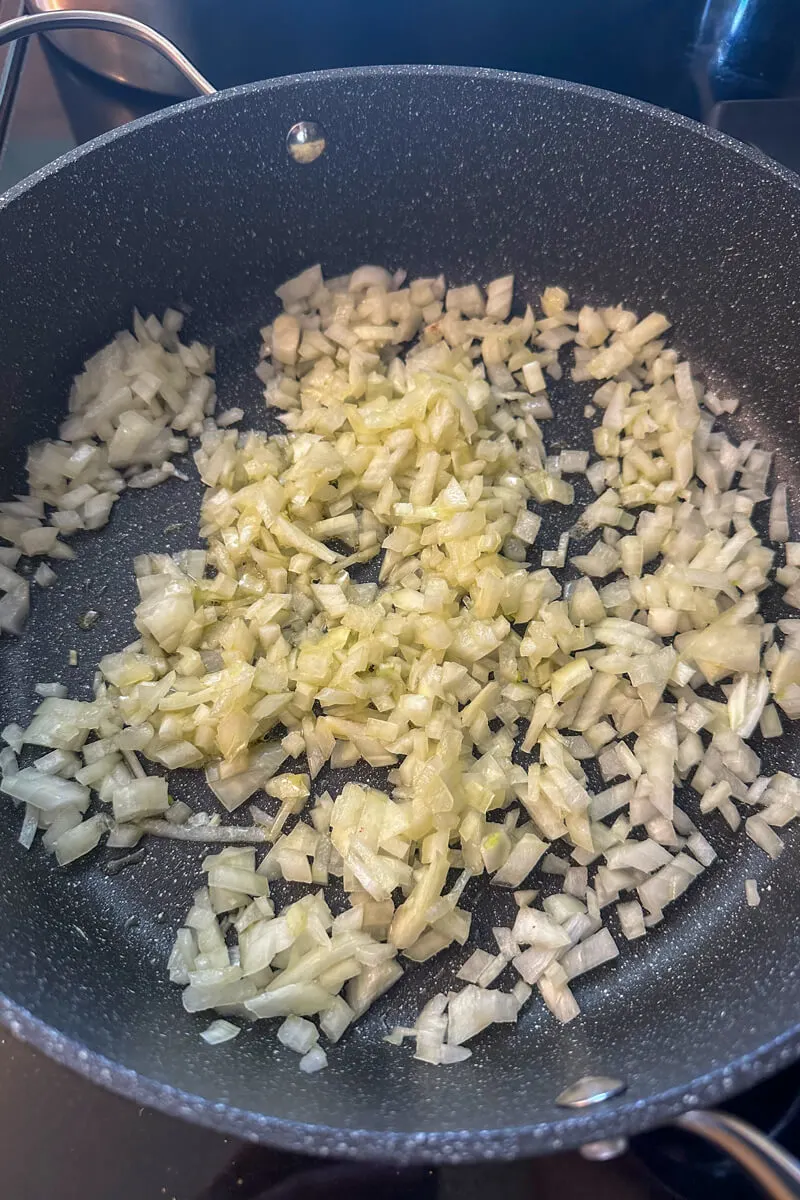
(475, 173)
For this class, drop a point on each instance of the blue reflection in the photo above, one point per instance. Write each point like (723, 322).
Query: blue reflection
(748, 46)
(737, 17)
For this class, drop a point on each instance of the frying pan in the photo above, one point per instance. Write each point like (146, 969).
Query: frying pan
(474, 173)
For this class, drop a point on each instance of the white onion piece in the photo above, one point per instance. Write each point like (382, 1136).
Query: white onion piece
(640, 856)
(47, 792)
(44, 575)
(315, 1060)
(631, 919)
(51, 689)
(178, 813)
(701, 848)
(9, 764)
(141, 798)
(506, 943)
(559, 999)
(336, 1019)
(597, 949)
(532, 963)
(471, 970)
(454, 1054)
(492, 971)
(80, 840)
(778, 515)
(60, 724)
(14, 608)
(14, 736)
(30, 824)
(553, 865)
(535, 928)
(363, 991)
(760, 832)
(473, 1009)
(220, 1031)
(298, 1034)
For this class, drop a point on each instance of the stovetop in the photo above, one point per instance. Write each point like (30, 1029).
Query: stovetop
(61, 1136)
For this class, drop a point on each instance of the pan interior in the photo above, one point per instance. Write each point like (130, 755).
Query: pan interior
(473, 174)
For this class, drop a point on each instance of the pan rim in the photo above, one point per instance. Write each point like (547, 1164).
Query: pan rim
(488, 74)
(443, 1147)
(618, 1117)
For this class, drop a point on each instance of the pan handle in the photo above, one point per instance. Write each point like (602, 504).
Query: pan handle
(767, 1163)
(22, 27)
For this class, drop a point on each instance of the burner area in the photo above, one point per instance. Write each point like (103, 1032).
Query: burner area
(62, 1136)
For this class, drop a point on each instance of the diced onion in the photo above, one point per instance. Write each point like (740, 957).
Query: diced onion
(220, 1031)
(298, 1034)
(74, 843)
(757, 829)
(315, 1060)
(411, 442)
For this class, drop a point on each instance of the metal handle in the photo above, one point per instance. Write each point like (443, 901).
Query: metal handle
(22, 27)
(767, 1163)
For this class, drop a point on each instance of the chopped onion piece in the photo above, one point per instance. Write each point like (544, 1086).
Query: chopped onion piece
(51, 689)
(30, 824)
(44, 575)
(315, 1060)
(599, 948)
(473, 1009)
(336, 1018)
(298, 1034)
(778, 515)
(220, 1031)
(559, 999)
(631, 919)
(14, 736)
(46, 792)
(76, 842)
(472, 969)
(765, 837)
(141, 798)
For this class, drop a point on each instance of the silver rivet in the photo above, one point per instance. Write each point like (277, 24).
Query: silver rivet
(604, 1150)
(592, 1089)
(305, 141)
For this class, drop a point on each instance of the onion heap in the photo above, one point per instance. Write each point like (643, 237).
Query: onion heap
(373, 590)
